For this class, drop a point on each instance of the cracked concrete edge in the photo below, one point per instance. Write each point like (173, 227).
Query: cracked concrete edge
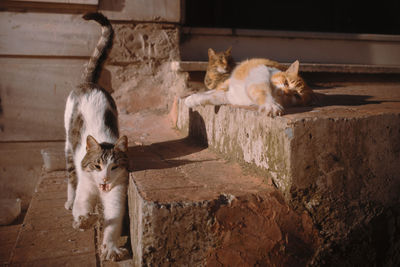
(343, 169)
(163, 233)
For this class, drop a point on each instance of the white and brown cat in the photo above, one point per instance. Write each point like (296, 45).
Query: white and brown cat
(97, 158)
(258, 82)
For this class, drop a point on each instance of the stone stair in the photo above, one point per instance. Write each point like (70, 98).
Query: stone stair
(229, 187)
(339, 162)
(46, 236)
(190, 207)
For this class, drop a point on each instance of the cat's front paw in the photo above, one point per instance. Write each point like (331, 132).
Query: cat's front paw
(85, 222)
(191, 101)
(68, 205)
(272, 109)
(109, 251)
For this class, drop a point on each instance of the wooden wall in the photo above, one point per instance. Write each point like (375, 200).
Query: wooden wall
(44, 45)
(41, 59)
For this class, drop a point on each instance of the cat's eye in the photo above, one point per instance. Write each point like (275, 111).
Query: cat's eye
(114, 167)
(98, 167)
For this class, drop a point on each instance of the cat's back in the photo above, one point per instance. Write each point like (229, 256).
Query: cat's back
(251, 67)
(94, 109)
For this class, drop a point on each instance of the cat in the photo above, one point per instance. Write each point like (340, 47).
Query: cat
(219, 68)
(96, 158)
(259, 82)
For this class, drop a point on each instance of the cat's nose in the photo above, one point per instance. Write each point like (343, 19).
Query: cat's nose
(105, 180)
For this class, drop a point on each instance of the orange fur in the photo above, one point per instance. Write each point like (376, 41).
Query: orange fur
(294, 89)
(272, 87)
(247, 65)
(257, 92)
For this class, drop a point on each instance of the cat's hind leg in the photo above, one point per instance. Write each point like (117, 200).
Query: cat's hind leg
(114, 209)
(261, 94)
(212, 97)
(72, 179)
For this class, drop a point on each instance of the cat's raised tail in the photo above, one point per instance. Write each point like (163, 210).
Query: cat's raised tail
(103, 45)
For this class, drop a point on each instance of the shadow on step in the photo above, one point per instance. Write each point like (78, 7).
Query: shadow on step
(346, 100)
(325, 100)
(162, 155)
(169, 154)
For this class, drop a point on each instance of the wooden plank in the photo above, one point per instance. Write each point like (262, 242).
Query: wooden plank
(304, 67)
(143, 10)
(46, 7)
(33, 94)
(46, 34)
(84, 2)
(285, 49)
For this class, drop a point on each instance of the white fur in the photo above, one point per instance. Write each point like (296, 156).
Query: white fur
(221, 70)
(92, 105)
(237, 93)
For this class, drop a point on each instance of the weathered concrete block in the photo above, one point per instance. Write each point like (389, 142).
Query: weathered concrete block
(340, 161)
(138, 42)
(189, 208)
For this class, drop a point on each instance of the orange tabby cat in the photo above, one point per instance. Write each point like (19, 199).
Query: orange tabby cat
(256, 82)
(294, 89)
(220, 65)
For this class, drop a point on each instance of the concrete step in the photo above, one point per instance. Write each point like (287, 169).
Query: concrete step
(339, 162)
(190, 207)
(8, 238)
(46, 237)
(191, 66)
(287, 46)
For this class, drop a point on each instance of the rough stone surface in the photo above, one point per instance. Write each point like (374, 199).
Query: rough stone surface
(46, 237)
(189, 207)
(138, 69)
(8, 237)
(339, 162)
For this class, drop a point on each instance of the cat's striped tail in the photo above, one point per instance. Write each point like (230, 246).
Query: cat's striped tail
(103, 45)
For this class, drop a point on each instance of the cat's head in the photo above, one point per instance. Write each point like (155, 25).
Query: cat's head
(221, 62)
(107, 163)
(289, 81)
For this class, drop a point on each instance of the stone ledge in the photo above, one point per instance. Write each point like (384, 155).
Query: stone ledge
(188, 207)
(304, 67)
(338, 161)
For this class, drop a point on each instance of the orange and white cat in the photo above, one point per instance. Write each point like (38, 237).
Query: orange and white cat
(257, 82)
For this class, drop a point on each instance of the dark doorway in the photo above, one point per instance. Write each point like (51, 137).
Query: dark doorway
(322, 16)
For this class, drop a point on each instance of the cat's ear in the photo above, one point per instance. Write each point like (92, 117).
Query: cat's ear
(122, 144)
(294, 68)
(91, 143)
(211, 52)
(228, 51)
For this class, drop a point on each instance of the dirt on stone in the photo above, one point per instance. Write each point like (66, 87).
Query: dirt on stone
(262, 230)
